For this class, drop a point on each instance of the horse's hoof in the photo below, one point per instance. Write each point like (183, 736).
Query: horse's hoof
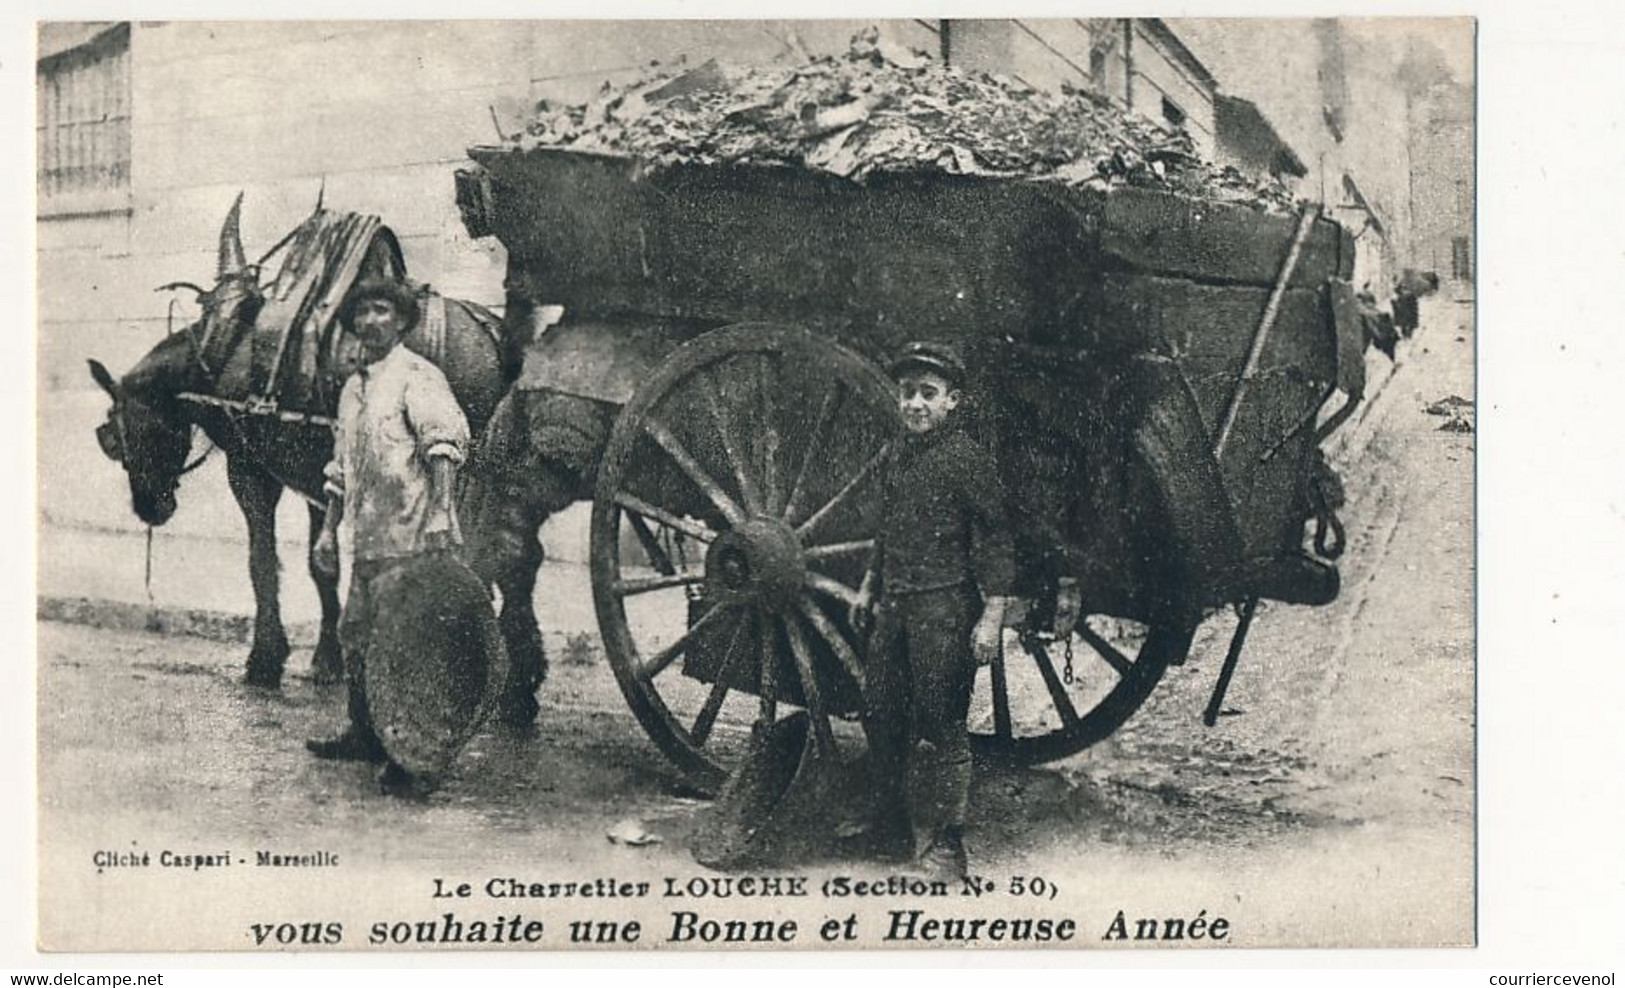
(518, 712)
(326, 675)
(263, 678)
(410, 786)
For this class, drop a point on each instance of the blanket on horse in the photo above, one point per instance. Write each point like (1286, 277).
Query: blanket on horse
(298, 346)
(295, 338)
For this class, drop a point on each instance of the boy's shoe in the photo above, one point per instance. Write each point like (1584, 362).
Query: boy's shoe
(351, 746)
(398, 782)
(944, 858)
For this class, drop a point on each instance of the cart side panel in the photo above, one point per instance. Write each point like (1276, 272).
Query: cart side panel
(866, 267)
(901, 258)
(1213, 242)
(1207, 330)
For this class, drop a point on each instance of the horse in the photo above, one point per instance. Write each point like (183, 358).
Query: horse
(205, 378)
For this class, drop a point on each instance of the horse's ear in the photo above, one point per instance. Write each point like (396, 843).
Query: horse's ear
(232, 259)
(101, 376)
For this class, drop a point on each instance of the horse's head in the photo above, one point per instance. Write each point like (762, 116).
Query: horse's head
(147, 428)
(147, 433)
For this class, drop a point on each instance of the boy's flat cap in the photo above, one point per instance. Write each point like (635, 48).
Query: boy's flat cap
(940, 358)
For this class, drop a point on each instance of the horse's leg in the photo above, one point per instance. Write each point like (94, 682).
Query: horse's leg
(527, 657)
(327, 665)
(507, 551)
(257, 494)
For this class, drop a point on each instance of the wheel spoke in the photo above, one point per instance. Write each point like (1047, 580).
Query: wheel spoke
(806, 528)
(838, 549)
(767, 378)
(651, 545)
(645, 584)
(692, 529)
(1001, 699)
(662, 659)
(747, 487)
(1117, 660)
(831, 587)
(768, 673)
(1052, 682)
(685, 461)
(814, 442)
(837, 641)
(701, 731)
(809, 685)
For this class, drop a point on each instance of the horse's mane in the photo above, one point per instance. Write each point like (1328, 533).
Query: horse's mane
(168, 368)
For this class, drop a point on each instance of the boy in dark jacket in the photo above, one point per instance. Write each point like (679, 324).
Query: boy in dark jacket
(943, 570)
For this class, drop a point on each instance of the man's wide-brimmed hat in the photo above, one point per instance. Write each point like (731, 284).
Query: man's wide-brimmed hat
(436, 663)
(397, 293)
(939, 358)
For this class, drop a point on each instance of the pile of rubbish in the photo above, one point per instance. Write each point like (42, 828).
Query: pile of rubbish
(881, 108)
(1458, 413)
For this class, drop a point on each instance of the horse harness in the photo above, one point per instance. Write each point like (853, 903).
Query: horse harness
(434, 330)
(324, 256)
(434, 337)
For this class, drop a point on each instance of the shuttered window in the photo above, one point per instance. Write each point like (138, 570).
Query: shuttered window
(83, 118)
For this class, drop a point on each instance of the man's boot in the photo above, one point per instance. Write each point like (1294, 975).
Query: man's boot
(354, 745)
(358, 743)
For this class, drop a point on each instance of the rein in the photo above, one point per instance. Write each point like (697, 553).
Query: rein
(201, 457)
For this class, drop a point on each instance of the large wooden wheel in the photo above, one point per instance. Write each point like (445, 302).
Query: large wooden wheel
(735, 512)
(744, 473)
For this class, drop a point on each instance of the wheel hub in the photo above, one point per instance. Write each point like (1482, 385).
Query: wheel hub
(760, 561)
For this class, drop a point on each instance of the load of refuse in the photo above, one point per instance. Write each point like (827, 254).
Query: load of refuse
(881, 108)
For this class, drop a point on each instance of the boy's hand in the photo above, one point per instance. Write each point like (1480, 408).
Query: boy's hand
(862, 610)
(324, 556)
(440, 530)
(1068, 607)
(987, 638)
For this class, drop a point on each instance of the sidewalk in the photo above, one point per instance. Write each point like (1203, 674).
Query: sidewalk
(93, 550)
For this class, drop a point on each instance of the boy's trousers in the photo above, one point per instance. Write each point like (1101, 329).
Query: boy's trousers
(919, 678)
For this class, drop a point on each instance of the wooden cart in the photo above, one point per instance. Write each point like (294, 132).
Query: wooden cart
(740, 316)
